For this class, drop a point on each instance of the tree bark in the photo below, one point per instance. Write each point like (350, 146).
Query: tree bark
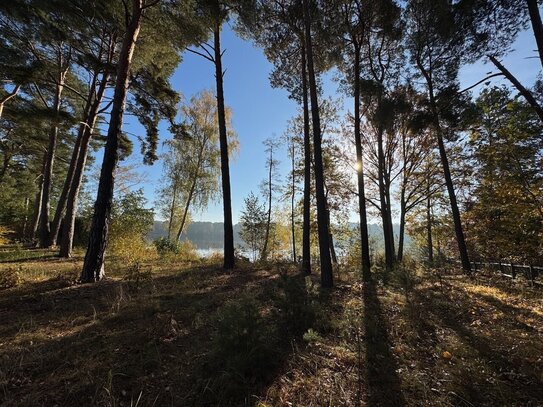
(402, 225)
(37, 206)
(172, 208)
(429, 223)
(229, 259)
(292, 199)
(66, 243)
(63, 199)
(537, 26)
(6, 98)
(186, 211)
(44, 227)
(385, 210)
(327, 278)
(462, 248)
(268, 220)
(306, 228)
(363, 226)
(93, 269)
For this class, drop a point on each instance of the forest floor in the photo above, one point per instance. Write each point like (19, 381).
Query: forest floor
(190, 334)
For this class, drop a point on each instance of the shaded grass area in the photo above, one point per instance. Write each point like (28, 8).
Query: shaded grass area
(191, 334)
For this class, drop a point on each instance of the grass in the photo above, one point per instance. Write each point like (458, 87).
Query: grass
(191, 334)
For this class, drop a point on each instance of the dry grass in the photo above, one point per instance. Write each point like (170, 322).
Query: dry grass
(151, 339)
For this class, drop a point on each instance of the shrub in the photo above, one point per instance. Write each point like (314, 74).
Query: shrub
(243, 347)
(9, 277)
(4, 235)
(166, 246)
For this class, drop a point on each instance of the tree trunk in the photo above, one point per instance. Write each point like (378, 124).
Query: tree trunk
(93, 269)
(44, 227)
(385, 211)
(172, 208)
(66, 243)
(229, 259)
(268, 220)
(429, 223)
(186, 211)
(402, 225)
(532, 101)
(462, 248)
(9, 96)
(327, 278)
(292, 199)
(331, 238)
(306, 228)
(537, 26)
(63, 199)
(364, 239)
(37, 207)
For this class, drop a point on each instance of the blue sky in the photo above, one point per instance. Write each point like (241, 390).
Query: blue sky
(260, 111)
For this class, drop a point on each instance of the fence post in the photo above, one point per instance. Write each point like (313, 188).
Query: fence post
(501, 267)
(513, 271)
(532, 276)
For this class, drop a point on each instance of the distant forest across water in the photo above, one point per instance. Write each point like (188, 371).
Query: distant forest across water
(210, 235)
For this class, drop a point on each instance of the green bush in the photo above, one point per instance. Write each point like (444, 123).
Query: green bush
(166, 246)
(243, 348)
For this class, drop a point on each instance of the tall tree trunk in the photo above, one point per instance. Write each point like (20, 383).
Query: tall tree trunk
(459, 231)
(5, 165)
(229, 259)
(537, 26)
(37, 207)
(292, 199)
(186, 211)
(63, 199)
(66, 243)
(306, 228)
(402, 225)
(44, 227)
(268, 220)
(364, 239)
(385, 215)
(429, 222)
(333, 254)
(93, 269)
(172, 208)
(327, 278)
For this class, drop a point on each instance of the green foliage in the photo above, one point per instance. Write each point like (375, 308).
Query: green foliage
(243, 347)
(253, 224)
(166, 246)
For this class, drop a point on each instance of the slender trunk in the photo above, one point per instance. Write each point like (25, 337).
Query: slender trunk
(37, 208)
(532, 101)
(6, 98)
(537, 26)
(186, 211)
(63, 199)
(306, 228)
(429, 223)
(292, 199)
(327, 278)
(402, 225)
(385, 216)
(68, 230)
(229, 259)
(462, 248)
(44, 228)
(93, 269)
(172, 208)
(331, 238)
(25, 220)
(364, 239)
(268, 220)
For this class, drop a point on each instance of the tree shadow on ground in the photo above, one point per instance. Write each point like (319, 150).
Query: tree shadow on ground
(111, 342)
(514, 379)
(383, 381)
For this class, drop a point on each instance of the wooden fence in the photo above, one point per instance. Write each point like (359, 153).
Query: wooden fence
(532, 273)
